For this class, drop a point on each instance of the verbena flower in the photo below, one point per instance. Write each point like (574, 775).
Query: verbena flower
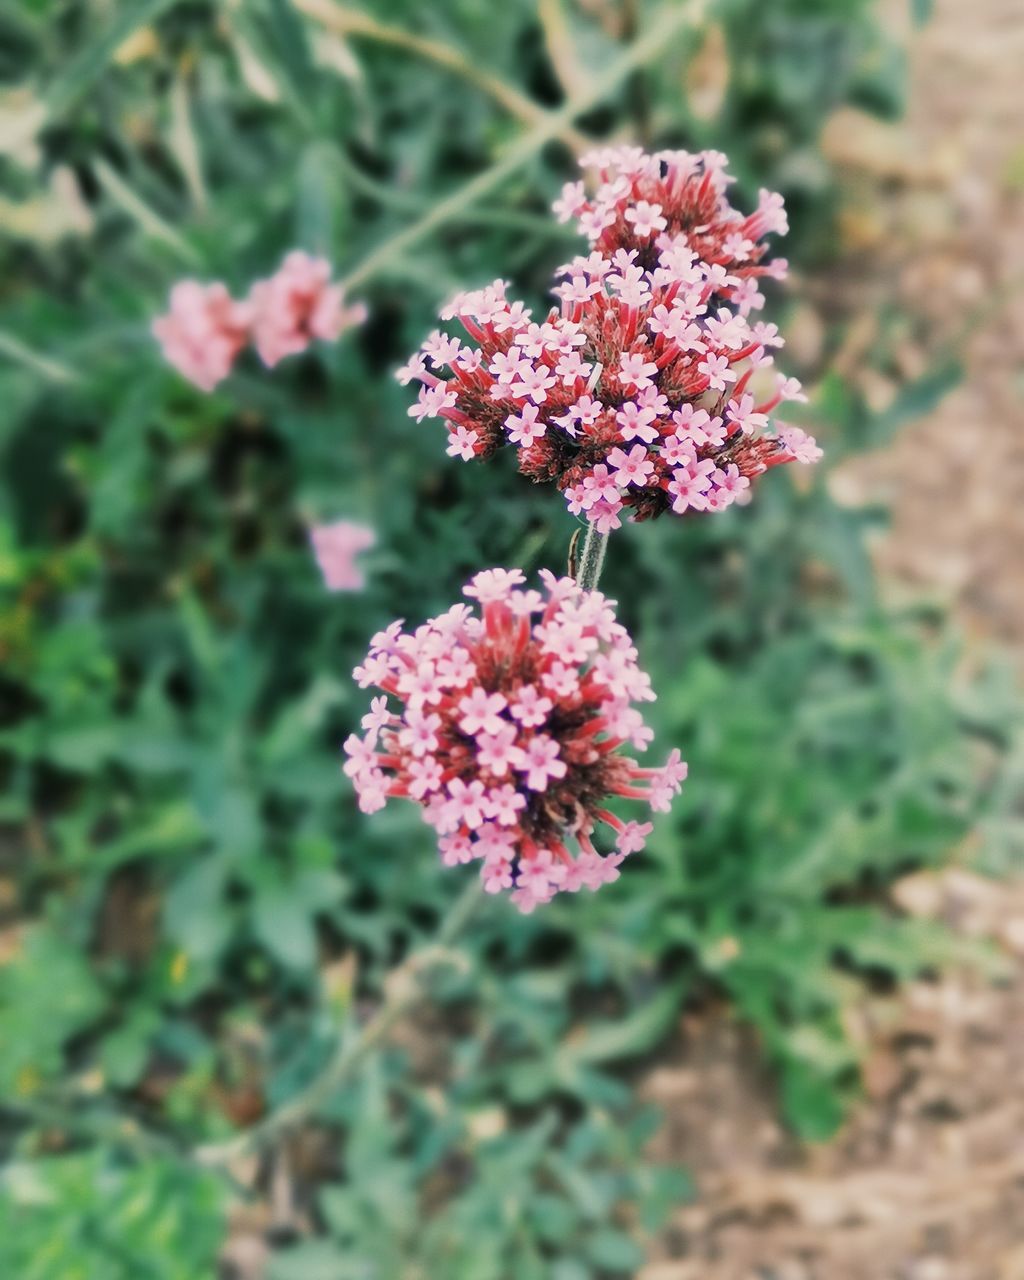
(202, 332)
(296, 305)
(640, 389)
(509, 734)
(336, 547)
(205, 328)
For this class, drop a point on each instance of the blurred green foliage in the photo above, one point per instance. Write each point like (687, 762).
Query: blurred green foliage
(195, 910)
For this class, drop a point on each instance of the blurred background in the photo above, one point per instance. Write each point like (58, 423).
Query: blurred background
(789, 1043)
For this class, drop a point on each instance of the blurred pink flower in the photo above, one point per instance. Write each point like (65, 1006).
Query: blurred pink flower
(203, 331)
(297, 304)
(335, 547)
(206, 328)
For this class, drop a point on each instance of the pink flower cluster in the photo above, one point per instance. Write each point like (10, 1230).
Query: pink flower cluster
(206, 328)
(336, 547)
(509, 734)
(638, 389)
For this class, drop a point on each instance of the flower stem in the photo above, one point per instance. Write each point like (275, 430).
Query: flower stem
(591, 560)
(403, 993)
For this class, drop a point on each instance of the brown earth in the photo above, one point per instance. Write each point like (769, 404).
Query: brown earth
(926, 1180)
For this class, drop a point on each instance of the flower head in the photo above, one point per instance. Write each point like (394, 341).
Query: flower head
(203, 332)
(297, 304)
(335, 547)
(652, 332)
(205, 328)
(516, 759)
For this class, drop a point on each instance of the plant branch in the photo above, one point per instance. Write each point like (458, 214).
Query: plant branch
(404, 993)
(351, 22)
(662, 28)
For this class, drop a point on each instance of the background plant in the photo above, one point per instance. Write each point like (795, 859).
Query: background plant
(187, 889)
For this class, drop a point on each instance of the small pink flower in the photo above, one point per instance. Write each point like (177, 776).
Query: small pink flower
(497, 751)
(633, 837)
(635, 371)
(425, 775)
(523, 428)
(530, 708)
(646, 219)
(539, 761)
(466, 802)
(635, 422)
(688, 486)
(631, 468)
(296, 305)
(481, 712)
(798, 444)
(336, 547)
(462, 442)
(203, 332)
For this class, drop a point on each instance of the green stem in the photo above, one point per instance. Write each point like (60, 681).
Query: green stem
(591, 561)
(404, 993)
(671, 19)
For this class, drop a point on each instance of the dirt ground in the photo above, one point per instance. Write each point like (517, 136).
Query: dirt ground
(937, 227)
(926, 1181)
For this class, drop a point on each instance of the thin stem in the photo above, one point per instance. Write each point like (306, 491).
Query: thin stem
(404, 992)
(653, 42)
(350, 22)
(46, 366)
(591, 560)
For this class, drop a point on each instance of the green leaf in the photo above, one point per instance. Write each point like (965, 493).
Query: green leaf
(811, 1101)
(50, 974)
(284, 925)
(613, 1251)
(94, 56)
(624, 1037)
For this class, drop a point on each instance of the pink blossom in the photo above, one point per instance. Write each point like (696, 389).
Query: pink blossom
(492, 585)
(530, 708)
(635, 371)
(504, 805)
(481, 712)
(335, 547)
(798, 444)
(462, 442)
(497, 751)
(203, 332)
(646, 219)
(633, 837)
(466, 802)
(600, 484)
(635, 422)
(425, 775)
(521, 765)
(296, 305)
(631, 468)
(524, 428)
(652, 326)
